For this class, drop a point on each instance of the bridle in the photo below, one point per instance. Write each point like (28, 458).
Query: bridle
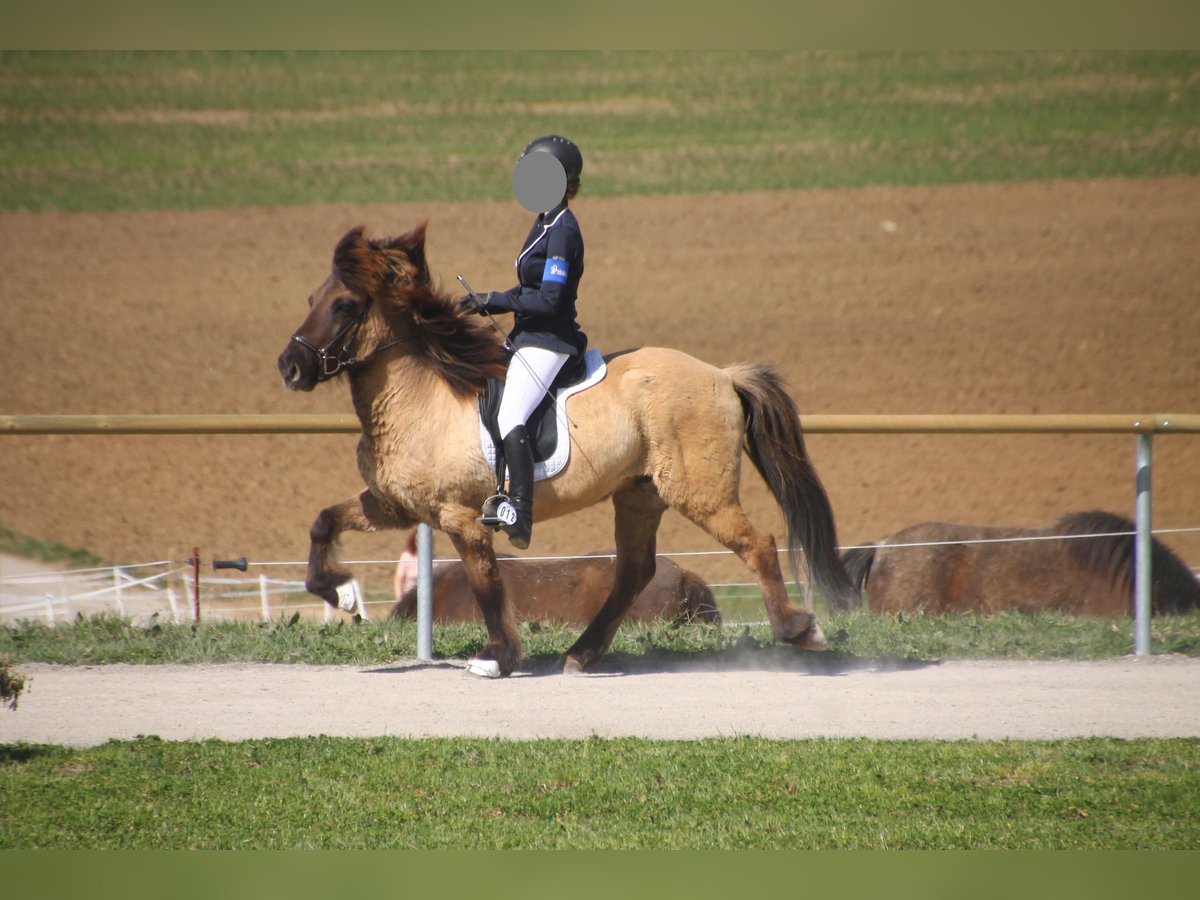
(338, 354)
(329, 364)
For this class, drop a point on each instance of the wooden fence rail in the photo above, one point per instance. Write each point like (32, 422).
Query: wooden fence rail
(330, 423)
(1144, 426)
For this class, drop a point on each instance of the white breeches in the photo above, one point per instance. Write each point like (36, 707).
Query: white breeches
(530, 374)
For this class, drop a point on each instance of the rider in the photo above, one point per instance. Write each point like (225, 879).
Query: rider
(545, 332)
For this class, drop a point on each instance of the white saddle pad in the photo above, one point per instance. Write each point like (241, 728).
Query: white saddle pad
(594, 372)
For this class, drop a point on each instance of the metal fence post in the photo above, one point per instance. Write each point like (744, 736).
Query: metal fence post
(424, 593)
(1141, 563)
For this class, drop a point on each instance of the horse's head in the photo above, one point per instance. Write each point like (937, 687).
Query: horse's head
(341, 329)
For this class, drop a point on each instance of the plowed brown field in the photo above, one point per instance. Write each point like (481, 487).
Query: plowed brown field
(1071, 297)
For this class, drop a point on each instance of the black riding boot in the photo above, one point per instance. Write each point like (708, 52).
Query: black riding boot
(518, 455)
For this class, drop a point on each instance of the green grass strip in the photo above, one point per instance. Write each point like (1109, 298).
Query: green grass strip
(126, 130)
(857, 638)
(17, 544)
(335, 793)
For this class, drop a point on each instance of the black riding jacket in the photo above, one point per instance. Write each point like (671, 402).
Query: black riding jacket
(549, 268)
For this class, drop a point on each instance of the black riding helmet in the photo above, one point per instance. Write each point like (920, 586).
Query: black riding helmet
(561, 149)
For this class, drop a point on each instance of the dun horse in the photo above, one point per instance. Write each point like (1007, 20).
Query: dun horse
(1091, 575)
(568, 590)
(661, 430)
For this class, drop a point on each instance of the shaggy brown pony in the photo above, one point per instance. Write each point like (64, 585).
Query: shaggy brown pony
(1087, 575)
(662, 430)
(568, 590)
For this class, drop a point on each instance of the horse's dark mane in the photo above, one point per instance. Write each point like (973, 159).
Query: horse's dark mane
(1112, 555)
(456, 345)
(1175, 589)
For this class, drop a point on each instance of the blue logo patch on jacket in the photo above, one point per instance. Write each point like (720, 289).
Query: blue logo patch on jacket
(556, 270)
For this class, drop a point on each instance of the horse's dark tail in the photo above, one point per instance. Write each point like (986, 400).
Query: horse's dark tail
(1173, 587)
(699, 604)
(858, 562)
(776, 447)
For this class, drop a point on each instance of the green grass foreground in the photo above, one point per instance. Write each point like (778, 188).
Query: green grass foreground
(125, 130)
(336, 793)
(852, 637)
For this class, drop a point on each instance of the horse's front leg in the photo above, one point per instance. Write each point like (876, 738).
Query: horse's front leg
(502, 654)
(366, 512)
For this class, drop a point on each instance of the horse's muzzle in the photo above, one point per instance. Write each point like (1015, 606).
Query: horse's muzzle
(298, 368)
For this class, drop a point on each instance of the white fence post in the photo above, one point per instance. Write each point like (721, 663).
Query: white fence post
(424, 593)
(1142, 545)
(64, 591)
(117, 598)
(265, 596)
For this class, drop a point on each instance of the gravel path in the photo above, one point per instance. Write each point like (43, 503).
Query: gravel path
(1127, 697)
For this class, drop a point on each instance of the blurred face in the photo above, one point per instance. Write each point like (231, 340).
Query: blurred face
(539, 181)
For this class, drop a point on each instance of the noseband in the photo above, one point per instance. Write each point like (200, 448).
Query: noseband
(330, 363)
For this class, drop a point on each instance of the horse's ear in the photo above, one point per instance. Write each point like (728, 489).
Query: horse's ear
(412, 245)
(368, 267)
(358, 263)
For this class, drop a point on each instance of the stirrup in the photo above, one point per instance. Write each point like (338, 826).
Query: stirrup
(520, 530)
(498, 511)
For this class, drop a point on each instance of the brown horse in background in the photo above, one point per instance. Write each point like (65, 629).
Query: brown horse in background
(661, 431)
(569, 591)
(1085, 575)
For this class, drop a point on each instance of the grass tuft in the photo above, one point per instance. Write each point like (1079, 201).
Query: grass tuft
(12, 683)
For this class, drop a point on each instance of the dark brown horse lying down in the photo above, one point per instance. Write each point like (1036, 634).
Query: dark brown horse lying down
(1092, 575)
(567, 590)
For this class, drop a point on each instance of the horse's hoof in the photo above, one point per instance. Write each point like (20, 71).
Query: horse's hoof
(349, 596)
(802, 631)
(795, 627)
(484, 668)
(572, 666)
(814, 640)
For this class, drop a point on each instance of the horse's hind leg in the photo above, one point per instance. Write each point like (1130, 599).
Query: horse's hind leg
(366, 512)
(474, 546)
(639, 509)
(757, 549)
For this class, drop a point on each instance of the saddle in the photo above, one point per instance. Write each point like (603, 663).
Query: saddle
(547, 438)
